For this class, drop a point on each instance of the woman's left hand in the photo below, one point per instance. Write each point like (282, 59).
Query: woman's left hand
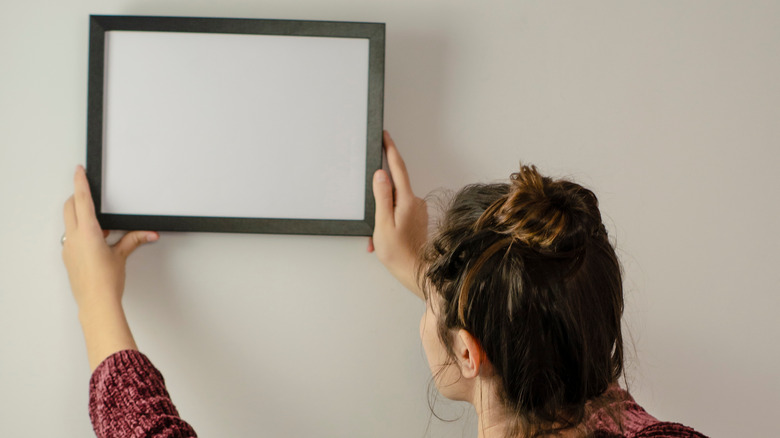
(96, 270)
(97, 274)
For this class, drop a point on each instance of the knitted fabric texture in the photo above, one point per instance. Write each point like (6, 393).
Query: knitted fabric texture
(127, 398)
(636, 422)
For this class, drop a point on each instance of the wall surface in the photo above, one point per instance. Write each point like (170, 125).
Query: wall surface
(669, 110)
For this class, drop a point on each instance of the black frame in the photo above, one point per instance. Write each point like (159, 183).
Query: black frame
(374, 32)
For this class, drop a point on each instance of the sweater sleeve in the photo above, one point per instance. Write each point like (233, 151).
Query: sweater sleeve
(127, 398)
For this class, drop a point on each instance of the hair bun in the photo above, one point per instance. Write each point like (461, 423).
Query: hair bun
(545, 214)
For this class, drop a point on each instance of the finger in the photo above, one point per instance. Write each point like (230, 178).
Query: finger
(397, 166)
(85, 209)
(383, 195)
(69, 214)
(132, 240)
(370, 244)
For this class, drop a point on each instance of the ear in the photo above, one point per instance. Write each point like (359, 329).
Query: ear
(469, 354)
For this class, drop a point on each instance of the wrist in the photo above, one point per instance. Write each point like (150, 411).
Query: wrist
(105, 331)
(407, 276)
(97, 305)
(97, 316)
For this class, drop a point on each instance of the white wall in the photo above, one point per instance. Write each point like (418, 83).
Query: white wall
(668, 109)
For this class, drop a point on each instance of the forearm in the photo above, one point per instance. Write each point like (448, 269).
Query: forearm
(128, 397)
(105, 331)
(406, 274)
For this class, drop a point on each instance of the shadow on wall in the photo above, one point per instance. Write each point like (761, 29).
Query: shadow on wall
(187, 340)
(416, 88)
(234, 343)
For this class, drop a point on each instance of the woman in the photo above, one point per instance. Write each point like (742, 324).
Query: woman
(523, 297)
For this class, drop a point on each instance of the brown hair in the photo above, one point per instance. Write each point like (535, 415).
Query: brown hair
(528, 270)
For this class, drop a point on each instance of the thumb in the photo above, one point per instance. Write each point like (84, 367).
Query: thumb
(132, 240)
(383, 194)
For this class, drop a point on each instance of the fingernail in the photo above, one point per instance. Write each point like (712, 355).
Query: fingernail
(380, 177)
(151, 237)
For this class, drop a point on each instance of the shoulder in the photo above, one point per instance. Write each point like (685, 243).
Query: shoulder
(617, 415)
(664, 429)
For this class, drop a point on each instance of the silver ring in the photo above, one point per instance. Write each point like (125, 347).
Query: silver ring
(62, 240)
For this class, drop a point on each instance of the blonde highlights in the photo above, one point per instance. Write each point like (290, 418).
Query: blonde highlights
(526, 267)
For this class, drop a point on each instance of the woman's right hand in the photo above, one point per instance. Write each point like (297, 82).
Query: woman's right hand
(401, 220)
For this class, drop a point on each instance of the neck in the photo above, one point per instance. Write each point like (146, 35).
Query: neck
(492, 418)
(491, 430)
(492, 421)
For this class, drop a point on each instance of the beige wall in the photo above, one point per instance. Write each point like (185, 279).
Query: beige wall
(668, 109)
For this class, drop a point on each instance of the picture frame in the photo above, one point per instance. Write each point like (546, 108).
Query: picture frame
(234, 124)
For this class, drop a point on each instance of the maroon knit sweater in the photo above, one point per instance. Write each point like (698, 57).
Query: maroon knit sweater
(127, 398)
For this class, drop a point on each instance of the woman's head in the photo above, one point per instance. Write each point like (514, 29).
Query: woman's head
(526, 269)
